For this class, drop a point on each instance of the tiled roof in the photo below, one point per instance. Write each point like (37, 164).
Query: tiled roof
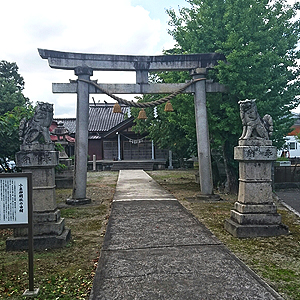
(101, 118)
(69, 123)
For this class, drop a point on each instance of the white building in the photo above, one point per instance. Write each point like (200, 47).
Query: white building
(291, 147)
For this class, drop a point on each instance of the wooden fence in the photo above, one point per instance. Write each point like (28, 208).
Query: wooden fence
(287, 174)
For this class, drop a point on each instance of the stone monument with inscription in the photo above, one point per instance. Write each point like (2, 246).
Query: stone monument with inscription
(37, 156)
(255, 214)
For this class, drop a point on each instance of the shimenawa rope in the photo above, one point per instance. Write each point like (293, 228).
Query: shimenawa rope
(145, 104)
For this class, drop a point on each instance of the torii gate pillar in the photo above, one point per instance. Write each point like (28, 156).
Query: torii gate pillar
(203, 144)
(81, 145)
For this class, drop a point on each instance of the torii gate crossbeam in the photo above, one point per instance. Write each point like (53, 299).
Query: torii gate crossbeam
(84, 64)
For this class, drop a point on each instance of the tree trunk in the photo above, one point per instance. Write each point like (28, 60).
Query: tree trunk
(231, 185)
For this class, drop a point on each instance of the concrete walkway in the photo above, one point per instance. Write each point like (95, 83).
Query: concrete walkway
(155, 249)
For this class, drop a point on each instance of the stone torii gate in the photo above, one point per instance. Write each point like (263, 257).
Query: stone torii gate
(84, 64)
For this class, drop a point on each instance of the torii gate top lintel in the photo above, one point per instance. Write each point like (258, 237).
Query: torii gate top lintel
(109, 62)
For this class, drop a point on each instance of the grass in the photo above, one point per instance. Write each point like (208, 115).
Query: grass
(65, 273)
(60, 274)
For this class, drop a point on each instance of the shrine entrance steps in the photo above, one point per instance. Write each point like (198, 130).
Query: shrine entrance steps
(155, 249)
(111, 165)
(129, 165)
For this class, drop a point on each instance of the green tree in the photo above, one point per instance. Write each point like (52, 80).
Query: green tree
(11, 86)
(259, 40)
(13, 107)
(170, 130)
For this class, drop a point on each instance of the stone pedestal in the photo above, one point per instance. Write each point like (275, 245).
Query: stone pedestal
(64, 178)
(255, 214)
(48, 227)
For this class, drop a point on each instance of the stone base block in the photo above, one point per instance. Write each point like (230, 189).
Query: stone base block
(255, 219)
(255, 153)
(255, 142)
(47, 216)
(201, 197)
(255, 192)
(269, 208)
(36, 158)
(47, 228)
(78, 201)
(64, 182)
(43, 198)
(39, 242)
(31, 294)
(251, 231)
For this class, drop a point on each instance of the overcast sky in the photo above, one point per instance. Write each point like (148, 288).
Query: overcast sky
(137, 27)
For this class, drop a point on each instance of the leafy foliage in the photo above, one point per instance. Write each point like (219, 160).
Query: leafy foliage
(9, 133)
(11, 86)
(259, 40)
(13, 107)
(169, 130)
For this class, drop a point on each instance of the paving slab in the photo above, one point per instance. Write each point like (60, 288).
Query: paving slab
(153, 223)
(138, 185)
(155, 249)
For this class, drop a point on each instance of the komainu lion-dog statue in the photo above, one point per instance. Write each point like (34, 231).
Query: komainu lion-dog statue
(253, 125)
(36, 130)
